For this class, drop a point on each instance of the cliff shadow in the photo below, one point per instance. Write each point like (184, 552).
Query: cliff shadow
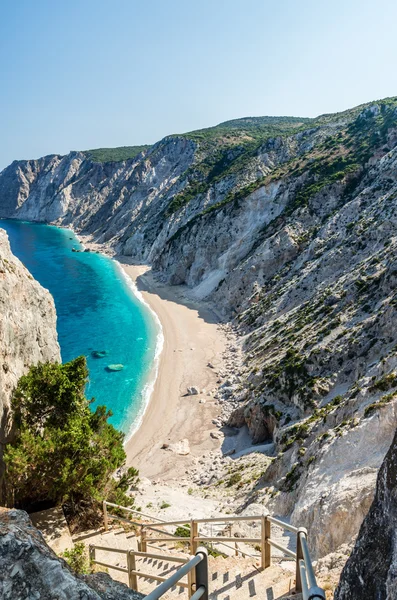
(148, 282)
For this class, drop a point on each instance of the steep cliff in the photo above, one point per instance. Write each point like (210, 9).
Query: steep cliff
(371, 571)
(27, 327)
(289, 226)
(30, 569)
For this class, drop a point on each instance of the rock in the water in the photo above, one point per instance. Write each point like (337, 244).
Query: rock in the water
(371, 571)
(99, 353)
(118, 367)
(30, 569)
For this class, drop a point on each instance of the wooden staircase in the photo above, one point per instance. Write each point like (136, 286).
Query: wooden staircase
(230, 577)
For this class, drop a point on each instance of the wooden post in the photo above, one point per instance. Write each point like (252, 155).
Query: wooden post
(266, 556)
(91, 552)
(299, 556)
(131, 566)
(191, 581)
(143, 540)
(105, 515)
(268, 548)
(193, 535)
(236, 548)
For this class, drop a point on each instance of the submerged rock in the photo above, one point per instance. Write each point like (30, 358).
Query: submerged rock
(99, 353)
(118, 367)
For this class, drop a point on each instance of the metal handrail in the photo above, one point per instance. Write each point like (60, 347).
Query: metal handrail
(201, 583)
(305, 577)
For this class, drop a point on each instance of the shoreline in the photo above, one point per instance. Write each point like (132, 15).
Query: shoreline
(148, 388)
(174, 429)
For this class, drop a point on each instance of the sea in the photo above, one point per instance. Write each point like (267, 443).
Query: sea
(100, 314)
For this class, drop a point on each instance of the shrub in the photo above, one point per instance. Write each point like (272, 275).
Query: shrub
(77, 559)
(371, 408)
(62, 451)
(183, 531)
(385, 383)
(234, 479)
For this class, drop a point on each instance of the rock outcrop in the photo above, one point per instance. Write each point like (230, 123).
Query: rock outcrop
(30, 569)
(27, 327)
(371, 570)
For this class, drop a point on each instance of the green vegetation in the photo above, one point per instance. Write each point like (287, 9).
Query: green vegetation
(292, 477)
(249, 129)
(165, 504)
(183, 531)
(379, 404)
(234, 479)
(227, 150)
(77, 559)
(103, 155)
(63, 453)
(384, 383)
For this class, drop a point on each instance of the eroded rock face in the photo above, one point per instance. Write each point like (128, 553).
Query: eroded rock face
(27, 327)
(371, 570)
(30, 569)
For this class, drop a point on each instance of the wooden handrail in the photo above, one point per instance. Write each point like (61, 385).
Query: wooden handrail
(305, 578)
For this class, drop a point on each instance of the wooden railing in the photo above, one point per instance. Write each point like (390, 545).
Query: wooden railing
(305, 577)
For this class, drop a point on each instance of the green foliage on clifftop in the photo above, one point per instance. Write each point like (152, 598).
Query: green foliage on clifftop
(63, 452)
(103, 155)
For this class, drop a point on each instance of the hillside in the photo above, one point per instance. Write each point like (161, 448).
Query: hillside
(288, 226)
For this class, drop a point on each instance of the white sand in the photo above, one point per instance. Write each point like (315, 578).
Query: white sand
(192, 338)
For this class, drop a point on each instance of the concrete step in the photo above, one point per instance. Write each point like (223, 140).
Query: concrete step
(53, 526)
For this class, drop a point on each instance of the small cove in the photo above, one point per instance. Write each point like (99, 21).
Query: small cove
(98, 315)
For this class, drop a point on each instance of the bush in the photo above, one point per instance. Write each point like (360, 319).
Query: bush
(77, 559)
(63, 452)
(384, 383)
(183, 531)
(235, 478)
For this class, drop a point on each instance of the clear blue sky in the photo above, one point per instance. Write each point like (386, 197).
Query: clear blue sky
(79, 74)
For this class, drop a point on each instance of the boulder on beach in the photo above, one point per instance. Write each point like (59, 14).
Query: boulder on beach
(115, 367)
(99, 353)
(182, 448)
(192, 391)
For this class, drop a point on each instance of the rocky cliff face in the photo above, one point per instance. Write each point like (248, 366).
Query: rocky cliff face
(371, 571)
(27, 327)
(30, 569)
(288, 226)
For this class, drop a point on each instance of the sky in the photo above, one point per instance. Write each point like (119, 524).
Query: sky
(81, 74)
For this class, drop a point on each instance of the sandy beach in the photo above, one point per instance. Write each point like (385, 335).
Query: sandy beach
(192, 340)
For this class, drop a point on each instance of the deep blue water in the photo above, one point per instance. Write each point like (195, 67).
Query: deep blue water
(96, 310)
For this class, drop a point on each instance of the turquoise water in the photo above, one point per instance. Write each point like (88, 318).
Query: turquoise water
(96, 310)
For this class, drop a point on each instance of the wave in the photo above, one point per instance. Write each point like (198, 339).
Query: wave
(148, 388)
